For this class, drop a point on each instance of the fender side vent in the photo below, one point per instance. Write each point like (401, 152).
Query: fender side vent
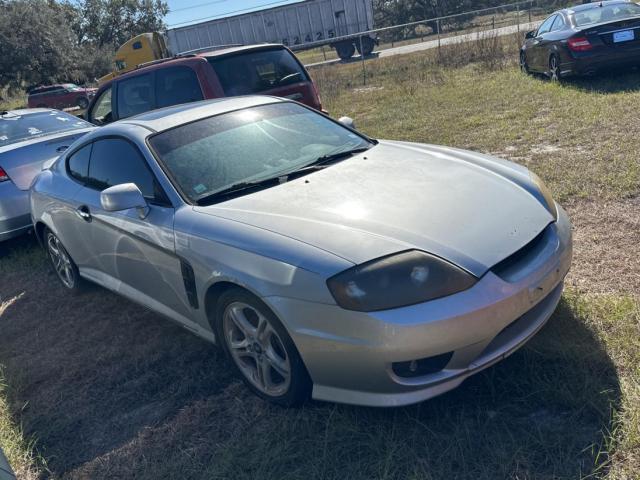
(189, 279)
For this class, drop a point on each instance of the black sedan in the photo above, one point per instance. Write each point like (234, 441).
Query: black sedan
(584, 40)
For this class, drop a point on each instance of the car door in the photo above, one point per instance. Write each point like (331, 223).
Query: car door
(537, 57)
(131, 255)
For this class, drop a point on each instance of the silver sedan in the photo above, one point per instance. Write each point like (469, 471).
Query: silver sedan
(28, 139)
(324, 263)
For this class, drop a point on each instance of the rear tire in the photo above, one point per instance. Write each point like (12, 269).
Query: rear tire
(62, 263)
(260, 349)
(367, 46)
(345, 50)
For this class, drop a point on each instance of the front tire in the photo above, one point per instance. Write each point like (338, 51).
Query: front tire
(64, 267)
(82, 102)
(524, 66)
(260, 349)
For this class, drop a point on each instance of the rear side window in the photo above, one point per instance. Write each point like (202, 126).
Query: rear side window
(546, 25)
(115, 161)
(78, 164)
(257, 71)
(135, 95)
(101, 112)
(177, 85)
(558, 24)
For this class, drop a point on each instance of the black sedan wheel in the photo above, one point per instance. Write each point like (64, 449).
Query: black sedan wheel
(523, 63)
(82, 102)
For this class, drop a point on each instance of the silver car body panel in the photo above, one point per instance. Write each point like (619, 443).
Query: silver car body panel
(283, 243)
(23, 161)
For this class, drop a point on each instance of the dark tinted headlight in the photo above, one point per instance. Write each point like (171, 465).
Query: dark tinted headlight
(396, 281)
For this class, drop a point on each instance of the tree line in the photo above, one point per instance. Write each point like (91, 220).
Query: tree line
(45, 41)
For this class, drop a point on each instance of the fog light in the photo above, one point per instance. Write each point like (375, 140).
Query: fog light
(422, 366)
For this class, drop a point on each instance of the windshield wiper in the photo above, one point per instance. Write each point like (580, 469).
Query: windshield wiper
(325, 160)
(240, 187)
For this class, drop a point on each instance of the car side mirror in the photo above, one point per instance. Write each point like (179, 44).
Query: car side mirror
(124, 197)
(347, 122)
(531, 34)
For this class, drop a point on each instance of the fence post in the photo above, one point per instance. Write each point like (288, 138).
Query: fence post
(438, 28)
(518, 13)
(364, 70)
(530, 7)
(324, 54)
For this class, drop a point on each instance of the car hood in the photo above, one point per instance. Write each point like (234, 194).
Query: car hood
(468, 208)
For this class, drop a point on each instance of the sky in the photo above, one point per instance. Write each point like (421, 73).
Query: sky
(182, 12)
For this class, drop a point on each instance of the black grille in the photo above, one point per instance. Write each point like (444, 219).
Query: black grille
(513, 261)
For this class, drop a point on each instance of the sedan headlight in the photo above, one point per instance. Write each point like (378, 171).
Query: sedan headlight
(546, 195)
(396, 281)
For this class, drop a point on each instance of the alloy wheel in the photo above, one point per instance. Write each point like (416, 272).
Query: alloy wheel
(257, 349)
(61, 261)
(523, 63)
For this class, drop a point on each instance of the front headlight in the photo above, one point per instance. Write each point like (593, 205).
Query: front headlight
(396, 281)
(546, 195)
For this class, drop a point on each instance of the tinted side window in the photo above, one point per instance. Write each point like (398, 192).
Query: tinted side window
(101, 111)
(546, 25)
(558, 24)
(257, 71)
(177, 85)
(135, 95)
(78, 164)
(115, 161)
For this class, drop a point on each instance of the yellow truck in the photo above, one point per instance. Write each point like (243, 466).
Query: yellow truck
(143, 48)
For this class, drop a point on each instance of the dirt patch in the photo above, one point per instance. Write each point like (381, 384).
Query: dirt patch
(606, 256)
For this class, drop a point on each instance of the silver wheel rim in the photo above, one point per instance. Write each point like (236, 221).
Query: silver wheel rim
(257, 349)
(61, 261)
(553, 68)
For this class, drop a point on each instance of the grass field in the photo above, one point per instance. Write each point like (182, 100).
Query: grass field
(96, 387)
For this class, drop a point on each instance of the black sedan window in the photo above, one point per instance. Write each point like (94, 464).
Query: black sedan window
(606, 13)
(16, 128)
(546, 25)
(250, 145)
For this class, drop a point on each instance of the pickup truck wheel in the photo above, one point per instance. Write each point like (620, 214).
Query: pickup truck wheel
(82, 102)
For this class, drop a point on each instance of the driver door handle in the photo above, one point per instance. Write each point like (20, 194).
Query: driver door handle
(83, 213)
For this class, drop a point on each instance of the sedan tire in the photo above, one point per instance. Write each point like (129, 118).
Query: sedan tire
(524, 66)
(260, 349)
(64, 267)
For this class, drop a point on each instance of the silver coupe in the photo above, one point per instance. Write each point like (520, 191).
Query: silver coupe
(324, 263)
(28, 139)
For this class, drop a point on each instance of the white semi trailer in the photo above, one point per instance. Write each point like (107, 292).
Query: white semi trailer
(300, 26)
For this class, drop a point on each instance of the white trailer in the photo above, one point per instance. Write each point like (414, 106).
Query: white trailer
(300, 26)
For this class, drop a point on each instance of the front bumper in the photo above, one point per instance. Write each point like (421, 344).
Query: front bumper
(349, 355)
(15, 219)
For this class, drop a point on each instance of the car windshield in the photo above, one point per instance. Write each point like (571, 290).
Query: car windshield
(16, 128)
(606, 13)
(257, 71)
(250, 145)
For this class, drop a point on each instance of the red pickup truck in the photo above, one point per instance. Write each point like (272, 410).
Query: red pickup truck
(64, 95)
(246, 70)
